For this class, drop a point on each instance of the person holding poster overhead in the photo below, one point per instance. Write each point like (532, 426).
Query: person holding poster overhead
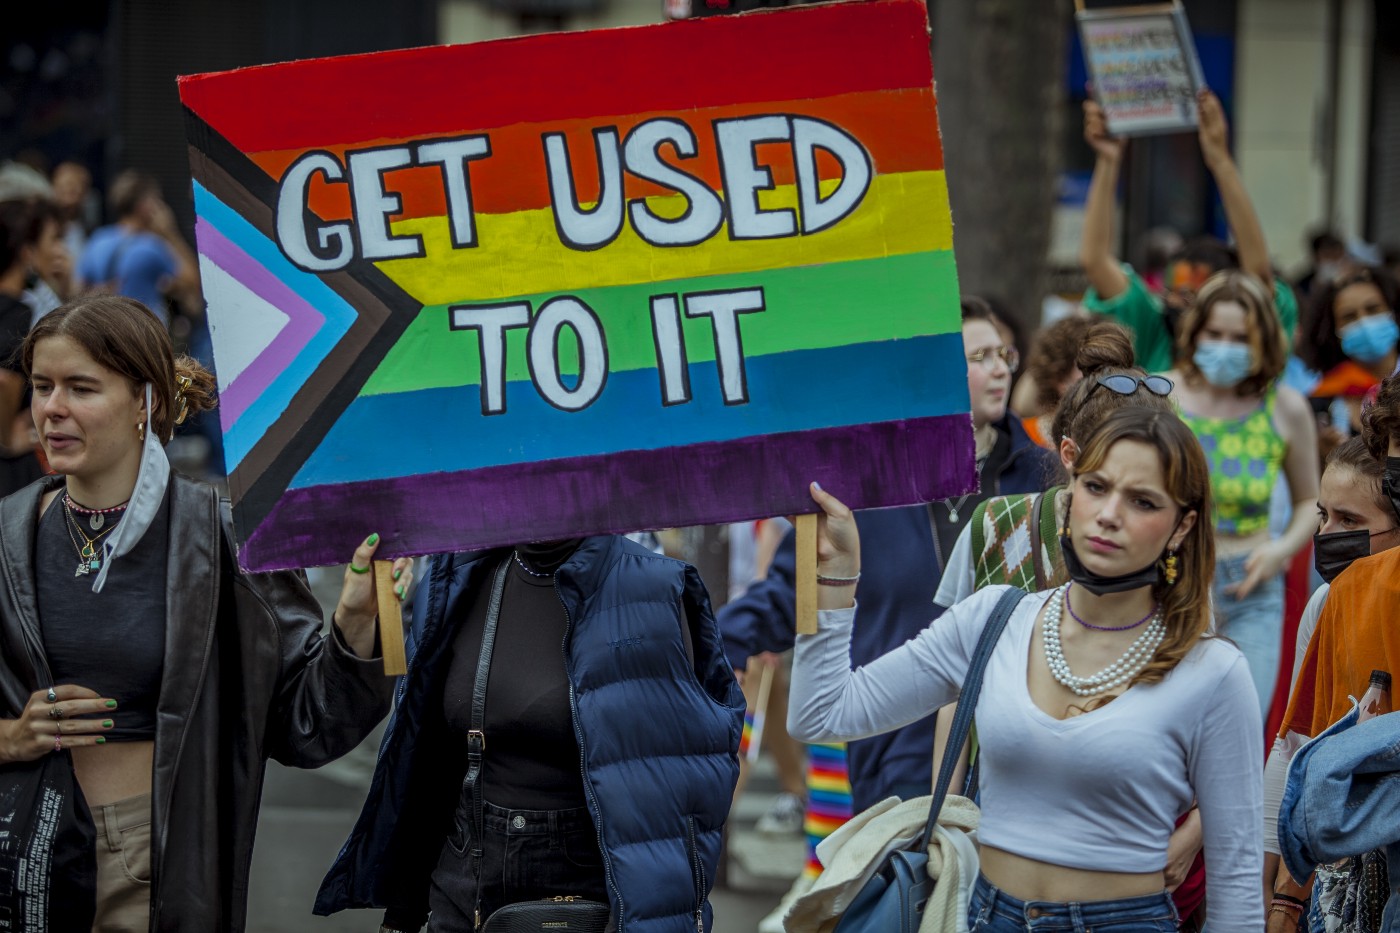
(1107, 709)
(131, 645)
(568, 728)
(1117, 291)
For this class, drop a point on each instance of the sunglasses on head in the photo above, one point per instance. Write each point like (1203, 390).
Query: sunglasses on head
(1127, 385)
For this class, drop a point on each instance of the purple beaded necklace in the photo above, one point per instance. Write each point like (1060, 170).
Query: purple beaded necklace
(1104, 628)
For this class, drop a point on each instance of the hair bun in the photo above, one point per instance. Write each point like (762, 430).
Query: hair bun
(1106, 346)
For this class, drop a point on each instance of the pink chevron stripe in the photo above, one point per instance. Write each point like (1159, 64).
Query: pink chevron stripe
(304, 321)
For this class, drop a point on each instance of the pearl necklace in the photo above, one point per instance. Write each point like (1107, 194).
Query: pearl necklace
(1137, 657)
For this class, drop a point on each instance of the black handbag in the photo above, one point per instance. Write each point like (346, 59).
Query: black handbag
(48, 848)
(550, 914)
(546, 914)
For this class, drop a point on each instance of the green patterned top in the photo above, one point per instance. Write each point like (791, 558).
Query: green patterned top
(1245, 455)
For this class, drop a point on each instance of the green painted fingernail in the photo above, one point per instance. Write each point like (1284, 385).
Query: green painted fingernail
(399, 590)
(397, 574)
(111, 704)
(373, 539)
(101, 740)
(106, 723)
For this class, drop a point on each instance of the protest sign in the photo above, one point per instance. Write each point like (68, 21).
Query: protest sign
(1144, 66)
(576, 283)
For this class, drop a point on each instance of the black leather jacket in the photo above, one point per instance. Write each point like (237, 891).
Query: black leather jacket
(248, 676)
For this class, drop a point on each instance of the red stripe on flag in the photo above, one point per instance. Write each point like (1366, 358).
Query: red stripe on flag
(792, 54)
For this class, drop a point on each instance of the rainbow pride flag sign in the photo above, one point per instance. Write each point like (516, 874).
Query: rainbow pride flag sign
(577, 283)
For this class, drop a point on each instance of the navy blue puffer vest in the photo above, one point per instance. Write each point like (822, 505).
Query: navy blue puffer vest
(659, 736)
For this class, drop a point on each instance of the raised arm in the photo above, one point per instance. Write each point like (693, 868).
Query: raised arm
(1214, 134)
(831, 702)
(1096, 246)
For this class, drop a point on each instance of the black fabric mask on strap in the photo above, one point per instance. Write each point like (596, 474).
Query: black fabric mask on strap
(1100, 585)
(1333, 553)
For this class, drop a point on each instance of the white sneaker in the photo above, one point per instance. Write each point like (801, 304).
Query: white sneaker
(784, 816)
(773, 923)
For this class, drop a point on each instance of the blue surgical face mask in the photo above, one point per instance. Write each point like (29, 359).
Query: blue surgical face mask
(1371, 338)
(1223, 364)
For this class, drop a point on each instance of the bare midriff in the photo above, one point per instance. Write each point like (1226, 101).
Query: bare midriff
(1029, 880)
(114, 771)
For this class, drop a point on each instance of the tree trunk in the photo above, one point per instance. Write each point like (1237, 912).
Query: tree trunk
(999, 68)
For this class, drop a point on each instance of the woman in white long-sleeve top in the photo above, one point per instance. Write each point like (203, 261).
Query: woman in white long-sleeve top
(1106, 709)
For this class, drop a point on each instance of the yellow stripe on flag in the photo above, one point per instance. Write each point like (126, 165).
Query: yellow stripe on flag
(521, 254)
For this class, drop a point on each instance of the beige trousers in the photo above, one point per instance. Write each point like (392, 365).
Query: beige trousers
(123, 866)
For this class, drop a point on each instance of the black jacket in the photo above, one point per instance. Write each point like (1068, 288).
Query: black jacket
(248, 676)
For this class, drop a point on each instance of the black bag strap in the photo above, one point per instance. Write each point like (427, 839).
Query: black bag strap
(476, 736)
(967, 705)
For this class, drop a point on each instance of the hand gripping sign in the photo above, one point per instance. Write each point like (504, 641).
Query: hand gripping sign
(577, 283)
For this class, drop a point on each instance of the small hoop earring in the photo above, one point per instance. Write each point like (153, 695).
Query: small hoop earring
(141, 432)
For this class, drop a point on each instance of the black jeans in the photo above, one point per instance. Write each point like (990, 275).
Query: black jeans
(528, 854)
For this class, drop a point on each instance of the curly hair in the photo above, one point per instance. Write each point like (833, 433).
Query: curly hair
(1380, 424)
(1052, 358)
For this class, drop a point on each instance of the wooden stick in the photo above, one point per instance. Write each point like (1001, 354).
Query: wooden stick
(760, 711)
(806, 574)
(390, 620)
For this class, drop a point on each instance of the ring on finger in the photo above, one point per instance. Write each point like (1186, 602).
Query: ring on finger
(56, 712)
(52, 696)
(58, 743)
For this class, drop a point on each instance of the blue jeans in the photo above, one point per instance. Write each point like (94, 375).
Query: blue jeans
(992, 910)
(528, 854)
(1255, 623)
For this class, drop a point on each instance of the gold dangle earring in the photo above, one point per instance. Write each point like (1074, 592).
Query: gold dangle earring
(1171, 568)
(141, 432)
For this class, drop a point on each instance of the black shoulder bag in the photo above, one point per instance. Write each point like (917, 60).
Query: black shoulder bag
(547, 914)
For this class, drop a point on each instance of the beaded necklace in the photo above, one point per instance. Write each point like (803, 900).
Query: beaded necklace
(96, 517)
(1133, 661)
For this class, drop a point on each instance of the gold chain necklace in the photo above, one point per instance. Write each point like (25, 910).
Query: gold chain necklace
(88, 561)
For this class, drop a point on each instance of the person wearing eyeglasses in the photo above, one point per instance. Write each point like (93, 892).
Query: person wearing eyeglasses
(1230, 353)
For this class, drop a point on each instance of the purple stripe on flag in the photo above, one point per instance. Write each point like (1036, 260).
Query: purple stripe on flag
(303, 320)
(866, 466)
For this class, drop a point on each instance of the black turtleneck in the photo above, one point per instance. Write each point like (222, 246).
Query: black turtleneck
(532, 755)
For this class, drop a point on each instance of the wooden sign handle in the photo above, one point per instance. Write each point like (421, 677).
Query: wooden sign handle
(806, 574)
(390, 620)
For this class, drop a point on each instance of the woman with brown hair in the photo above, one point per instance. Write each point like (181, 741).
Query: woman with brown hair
(1230, 352)
(131, 645)
(1084, 774)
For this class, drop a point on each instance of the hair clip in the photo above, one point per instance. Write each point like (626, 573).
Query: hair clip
(183, 404)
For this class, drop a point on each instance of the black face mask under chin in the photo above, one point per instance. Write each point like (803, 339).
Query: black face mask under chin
(1335, 552)
(1101, 585)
